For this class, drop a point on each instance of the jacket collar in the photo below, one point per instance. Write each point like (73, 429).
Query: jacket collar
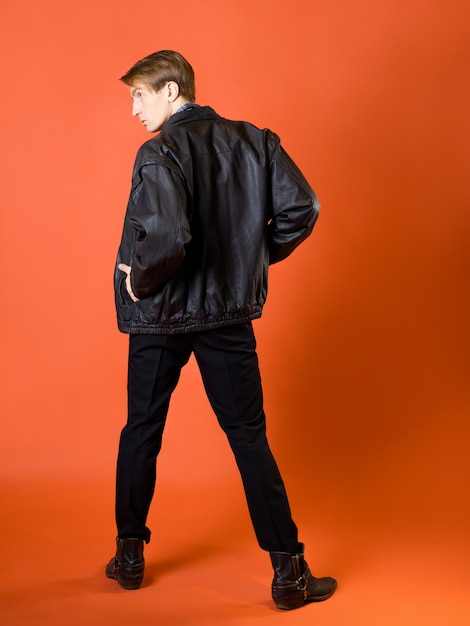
(190, 115)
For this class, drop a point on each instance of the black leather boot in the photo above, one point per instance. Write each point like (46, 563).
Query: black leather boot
(127, 567)
(293, 584)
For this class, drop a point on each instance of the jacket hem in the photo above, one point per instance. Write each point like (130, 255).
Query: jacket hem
(190, 326)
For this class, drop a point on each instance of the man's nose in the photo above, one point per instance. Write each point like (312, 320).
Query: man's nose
(135, 108)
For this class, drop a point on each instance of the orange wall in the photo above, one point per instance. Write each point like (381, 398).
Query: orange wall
(364, 344)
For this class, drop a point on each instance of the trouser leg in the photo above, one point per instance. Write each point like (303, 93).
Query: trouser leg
(229, 367)
(155, 363)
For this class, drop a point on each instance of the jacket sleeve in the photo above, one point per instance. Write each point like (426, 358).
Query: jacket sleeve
(295, 206)
(158, 216)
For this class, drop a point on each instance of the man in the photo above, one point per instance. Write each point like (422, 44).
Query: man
(213, 203)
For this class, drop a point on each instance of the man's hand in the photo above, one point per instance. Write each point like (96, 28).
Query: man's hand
(127, 270)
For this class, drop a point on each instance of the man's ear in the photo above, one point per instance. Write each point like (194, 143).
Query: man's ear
(173, 90)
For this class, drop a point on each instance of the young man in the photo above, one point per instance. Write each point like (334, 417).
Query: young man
(213, 203)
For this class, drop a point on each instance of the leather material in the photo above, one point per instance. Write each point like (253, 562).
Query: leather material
(213, 203)
(293, 583)
(127, 567)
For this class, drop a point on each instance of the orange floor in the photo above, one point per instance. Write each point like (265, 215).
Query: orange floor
(56, 540)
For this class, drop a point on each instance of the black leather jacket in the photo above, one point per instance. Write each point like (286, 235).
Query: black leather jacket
(213, 203)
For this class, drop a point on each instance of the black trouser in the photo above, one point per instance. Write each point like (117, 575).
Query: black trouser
(229, 367)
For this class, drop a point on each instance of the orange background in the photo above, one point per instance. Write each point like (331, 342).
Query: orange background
(364, 343)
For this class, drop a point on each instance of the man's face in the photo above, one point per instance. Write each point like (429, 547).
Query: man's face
(152, 108)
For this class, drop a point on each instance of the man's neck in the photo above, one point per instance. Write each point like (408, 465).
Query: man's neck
(178, 103)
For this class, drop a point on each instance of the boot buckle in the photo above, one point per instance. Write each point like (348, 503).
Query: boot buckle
(302, 585)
